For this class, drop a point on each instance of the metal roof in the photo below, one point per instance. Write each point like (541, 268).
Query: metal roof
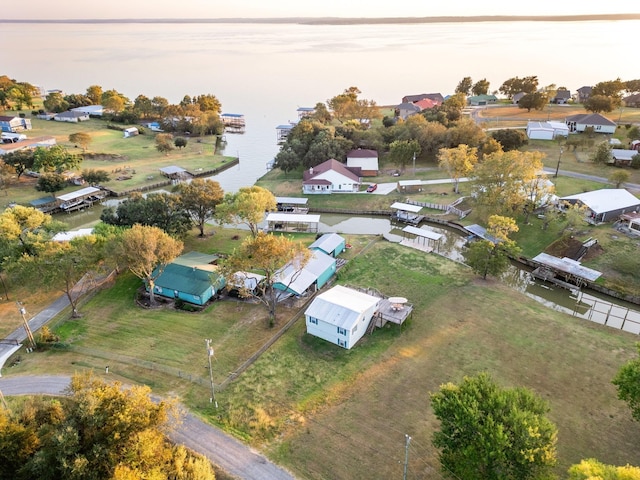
(407, 183)
(567, 265)
(481, 232)
(38, 202)
(341, 306)
(78, 194)
(187, 279)
(606, 199)
(293, 217)
(68, 236)
(292, 200)
(328, 242)
(172, 169)
(197, 260)
(406, 207)
(421, 232)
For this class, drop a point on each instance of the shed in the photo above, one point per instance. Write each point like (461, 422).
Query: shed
(314, 275)
(244, 281)
(622, 157)
(409, 186)
(546, 130)
(341, 315)
(130, 132)
(173, 172)
(606, 204)
(329, 243)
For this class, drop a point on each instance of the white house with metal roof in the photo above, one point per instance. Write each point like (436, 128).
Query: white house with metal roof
(582, 121)
(341, 315)
(606, 204)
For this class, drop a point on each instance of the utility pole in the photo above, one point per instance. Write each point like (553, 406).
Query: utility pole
(212, 399)
(23, 313)
(558, 166)
(414, 164)
(407, 441)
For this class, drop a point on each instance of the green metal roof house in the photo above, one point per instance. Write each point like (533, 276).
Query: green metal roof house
(190, 277)
(479, 100)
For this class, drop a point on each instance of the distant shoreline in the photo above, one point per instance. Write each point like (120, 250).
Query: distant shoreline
(346, 21)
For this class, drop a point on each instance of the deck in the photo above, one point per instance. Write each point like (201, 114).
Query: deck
(387, 313)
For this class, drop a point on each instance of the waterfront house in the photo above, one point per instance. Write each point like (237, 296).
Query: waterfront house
(341, 315)
(437, 98)
(364, 159)
(330, 177)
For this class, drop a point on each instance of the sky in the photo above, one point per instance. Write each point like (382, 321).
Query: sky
(96, 9)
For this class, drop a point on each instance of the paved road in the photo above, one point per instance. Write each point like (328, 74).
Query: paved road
(227, 452)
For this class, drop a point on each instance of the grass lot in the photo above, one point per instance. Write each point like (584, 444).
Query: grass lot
(136, 156)
(305, 394)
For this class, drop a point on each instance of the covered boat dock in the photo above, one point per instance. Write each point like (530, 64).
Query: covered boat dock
(407, 213)
(292, 204)
(423, 239)
(292, 222)
(85, 197)
(564, 272)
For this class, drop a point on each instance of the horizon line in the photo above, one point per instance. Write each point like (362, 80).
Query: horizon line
(343, 20)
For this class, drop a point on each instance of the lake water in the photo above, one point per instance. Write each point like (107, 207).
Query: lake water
(267, 71)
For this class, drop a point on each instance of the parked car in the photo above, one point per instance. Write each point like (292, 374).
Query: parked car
(372, 187)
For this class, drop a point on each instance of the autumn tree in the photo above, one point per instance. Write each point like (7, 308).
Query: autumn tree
(70, 267)
(347, 106)
(592, 469)
(81, 138)
(538, 192)
(247, 207)
(611, 89)
(265, 254)
(599, 103)
(55, 102)
(516, 85)
(499, 179)
(146, 251)
(457, 162)
(490, 256)
(489, 432)
(164, 142)
(94, 93)
(401, 152)
(619, 177)
(199, 199)
(99, 431)
(114, 101)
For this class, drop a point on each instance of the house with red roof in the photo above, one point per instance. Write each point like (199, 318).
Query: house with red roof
(330, 177)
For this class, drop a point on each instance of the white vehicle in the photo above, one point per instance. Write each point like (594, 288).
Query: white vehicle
(8, 137)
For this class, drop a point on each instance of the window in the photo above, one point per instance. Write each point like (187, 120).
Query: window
(313, 320)
(342, 343)
(342, 331)
(355, 329)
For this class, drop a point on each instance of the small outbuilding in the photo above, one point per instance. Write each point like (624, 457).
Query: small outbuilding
(314, 275)
(130, 132)
(329, 243)
(409, 186)
(622, 157)
(341, 315)
(547, 130)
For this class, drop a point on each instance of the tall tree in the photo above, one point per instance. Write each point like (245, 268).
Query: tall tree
(464, 86)
(94, 93)
(143, 106)
(401, 152)
(599, 103)
(535, 100)
(491, 257)
(54, 159)
(457, 162)
(164, 142)
(489, 432)
(627, 382)
(247, 206)
(208, 103)
(516, 85)
(612, 89)
(114, 101)
(21, 161)
(146, 251)
(199, 199)
(510, 139)
(619, 177)
(266, 254)
(347, 106)
(602, 154)
(55, 102)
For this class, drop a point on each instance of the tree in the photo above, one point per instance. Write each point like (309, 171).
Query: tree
(611, 89)
(51, 182)
(401, 152)
(538, 193)
(602, 154)
(55, 102)
(464, 86)
(481, 87)
(510, 139)
(199, 199)
(535, 100)
(66, 266)
(488, 432)
(627, 382)
(491, 257)
(516, 85)
(54, 159)
(146, 251)
(347, 106)
(592, 469)
(635, 161)
(143, 106)
(77, 100)
(619, 177)
(161, 210)
(266, 254)
(180, 142)
(599, 103)
(81, 138)
(457, 162)
(164, 142)
(208, 103)
(114, 101)
(633, 133)
(101, 431)
(21, 161)
(247, 206)
(95, 176)
(94, 93)
(499, 179)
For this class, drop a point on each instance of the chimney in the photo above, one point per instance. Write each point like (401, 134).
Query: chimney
(310, 170)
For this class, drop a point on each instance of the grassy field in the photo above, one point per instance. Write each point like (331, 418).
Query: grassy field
(134, 157)
(304, 394)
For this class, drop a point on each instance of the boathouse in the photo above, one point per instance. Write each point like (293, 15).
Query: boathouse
(85, 197)
(292, 204)
(407, 213)
(233, 122)
(421, 239)
(292, 222)
(565, 272)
